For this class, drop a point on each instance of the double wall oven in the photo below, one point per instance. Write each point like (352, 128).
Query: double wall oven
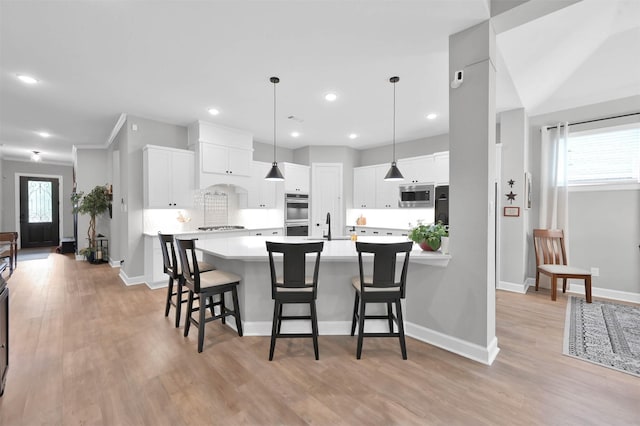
(296, 214)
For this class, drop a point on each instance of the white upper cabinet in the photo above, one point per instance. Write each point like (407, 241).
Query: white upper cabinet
(417, 169)
(168, 177)
(261, 193)
(296, 178)
(223, 154)
(225, 160)
(364, 192)
(441, 168)
(386, 192)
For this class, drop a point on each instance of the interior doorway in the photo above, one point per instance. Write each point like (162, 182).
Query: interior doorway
(38, 210)
(326, 197)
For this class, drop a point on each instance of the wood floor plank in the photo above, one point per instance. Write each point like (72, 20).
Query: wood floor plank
(86, 349)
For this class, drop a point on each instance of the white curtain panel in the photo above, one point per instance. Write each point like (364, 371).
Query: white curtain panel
(554, 196)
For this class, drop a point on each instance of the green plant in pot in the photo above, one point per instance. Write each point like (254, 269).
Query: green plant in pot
(429, 237)
(94, 204)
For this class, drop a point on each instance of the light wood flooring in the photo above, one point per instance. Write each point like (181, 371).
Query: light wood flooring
(85, 349)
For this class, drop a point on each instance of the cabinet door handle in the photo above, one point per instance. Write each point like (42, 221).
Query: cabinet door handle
(389, 233)
(375, 232)
(274, 233)
(258, 233)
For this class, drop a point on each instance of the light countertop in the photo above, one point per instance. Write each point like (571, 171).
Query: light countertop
(253, 249)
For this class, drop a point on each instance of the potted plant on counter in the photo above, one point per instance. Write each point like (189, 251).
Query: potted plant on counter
(429, 237)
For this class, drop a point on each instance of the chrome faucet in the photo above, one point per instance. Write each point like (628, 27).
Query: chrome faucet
(328, 236)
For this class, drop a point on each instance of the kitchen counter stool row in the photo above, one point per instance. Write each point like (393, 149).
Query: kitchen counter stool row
(290, 284)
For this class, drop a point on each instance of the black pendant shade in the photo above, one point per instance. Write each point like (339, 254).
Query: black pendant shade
(394, 173)
(274, 173)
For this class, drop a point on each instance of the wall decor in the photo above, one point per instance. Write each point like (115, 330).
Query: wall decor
(511, 197)
(511, 211)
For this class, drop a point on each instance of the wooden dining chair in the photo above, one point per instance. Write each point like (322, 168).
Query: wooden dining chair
(551, 260)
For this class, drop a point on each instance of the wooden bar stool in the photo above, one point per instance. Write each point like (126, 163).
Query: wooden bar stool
(294, 286)
(380, 287)
(172, 269)
(205, 285)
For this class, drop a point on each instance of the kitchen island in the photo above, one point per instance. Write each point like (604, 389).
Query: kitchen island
(247, 256)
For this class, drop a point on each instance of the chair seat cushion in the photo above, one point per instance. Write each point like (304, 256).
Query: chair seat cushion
(216, 278)
(355, 281)
(307, 280)
(563, 269)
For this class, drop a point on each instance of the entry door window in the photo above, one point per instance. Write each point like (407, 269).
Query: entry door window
(40, 205)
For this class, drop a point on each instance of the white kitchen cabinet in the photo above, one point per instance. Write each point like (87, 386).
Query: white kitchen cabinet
(364, 192)
(225, 160)
(296, 178)
(386, 192)
(417, 169)
(168, 177)
(441, 168)
(261, 193)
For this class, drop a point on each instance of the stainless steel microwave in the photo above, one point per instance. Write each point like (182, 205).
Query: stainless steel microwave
(416, 196)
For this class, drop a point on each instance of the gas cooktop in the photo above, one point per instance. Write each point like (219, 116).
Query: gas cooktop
(220, 228)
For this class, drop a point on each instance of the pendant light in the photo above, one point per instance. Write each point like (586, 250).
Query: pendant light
(394, 173)
(274, 174)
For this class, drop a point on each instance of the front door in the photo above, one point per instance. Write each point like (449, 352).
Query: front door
(39, 212)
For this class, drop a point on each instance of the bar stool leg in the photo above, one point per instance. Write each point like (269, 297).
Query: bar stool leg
(202, 311)
(314, 328)
(179, 302)
(360, 329)
(236, 310)
(390, 316)
(187, 323)
(274, 328)
(403, 346)
(169, 293)
(355, 314)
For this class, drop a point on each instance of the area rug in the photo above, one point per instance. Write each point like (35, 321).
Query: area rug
(603, 333)
(33, 254)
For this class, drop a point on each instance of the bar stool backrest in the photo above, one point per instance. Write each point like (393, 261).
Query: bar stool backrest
(294, 265)
(169, 260)
(384, 265)
(189, 263)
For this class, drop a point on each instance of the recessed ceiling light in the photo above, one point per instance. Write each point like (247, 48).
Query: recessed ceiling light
(353, 136)
(295, 134)
(432, 116)
(213, 111)
(331, 97)
(27, 79)
(44, 134)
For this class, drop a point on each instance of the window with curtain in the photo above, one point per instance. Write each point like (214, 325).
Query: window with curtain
(604, 156)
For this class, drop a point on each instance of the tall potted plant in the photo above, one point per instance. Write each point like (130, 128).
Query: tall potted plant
(94, 204)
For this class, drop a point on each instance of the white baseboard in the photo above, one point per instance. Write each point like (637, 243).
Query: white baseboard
(513, 287)
(605, 293)
(343, 328)
(156, 285)
(577, 287)
(114, 263)
(130, 280)
(484, 355)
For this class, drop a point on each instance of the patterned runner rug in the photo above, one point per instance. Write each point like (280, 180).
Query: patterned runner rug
(603, 333)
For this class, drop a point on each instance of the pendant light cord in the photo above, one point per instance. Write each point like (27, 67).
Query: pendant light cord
(274, 121)
(394, 122)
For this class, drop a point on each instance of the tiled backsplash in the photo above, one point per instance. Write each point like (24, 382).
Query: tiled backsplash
(396, 218)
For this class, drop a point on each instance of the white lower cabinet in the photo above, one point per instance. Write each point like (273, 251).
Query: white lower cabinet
(266, 232)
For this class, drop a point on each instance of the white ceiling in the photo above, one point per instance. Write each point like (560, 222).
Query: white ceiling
(171, 61)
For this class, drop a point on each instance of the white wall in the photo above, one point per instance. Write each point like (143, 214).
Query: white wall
(8, 207)
(604, 225)
(415, 148)
(91, 171)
